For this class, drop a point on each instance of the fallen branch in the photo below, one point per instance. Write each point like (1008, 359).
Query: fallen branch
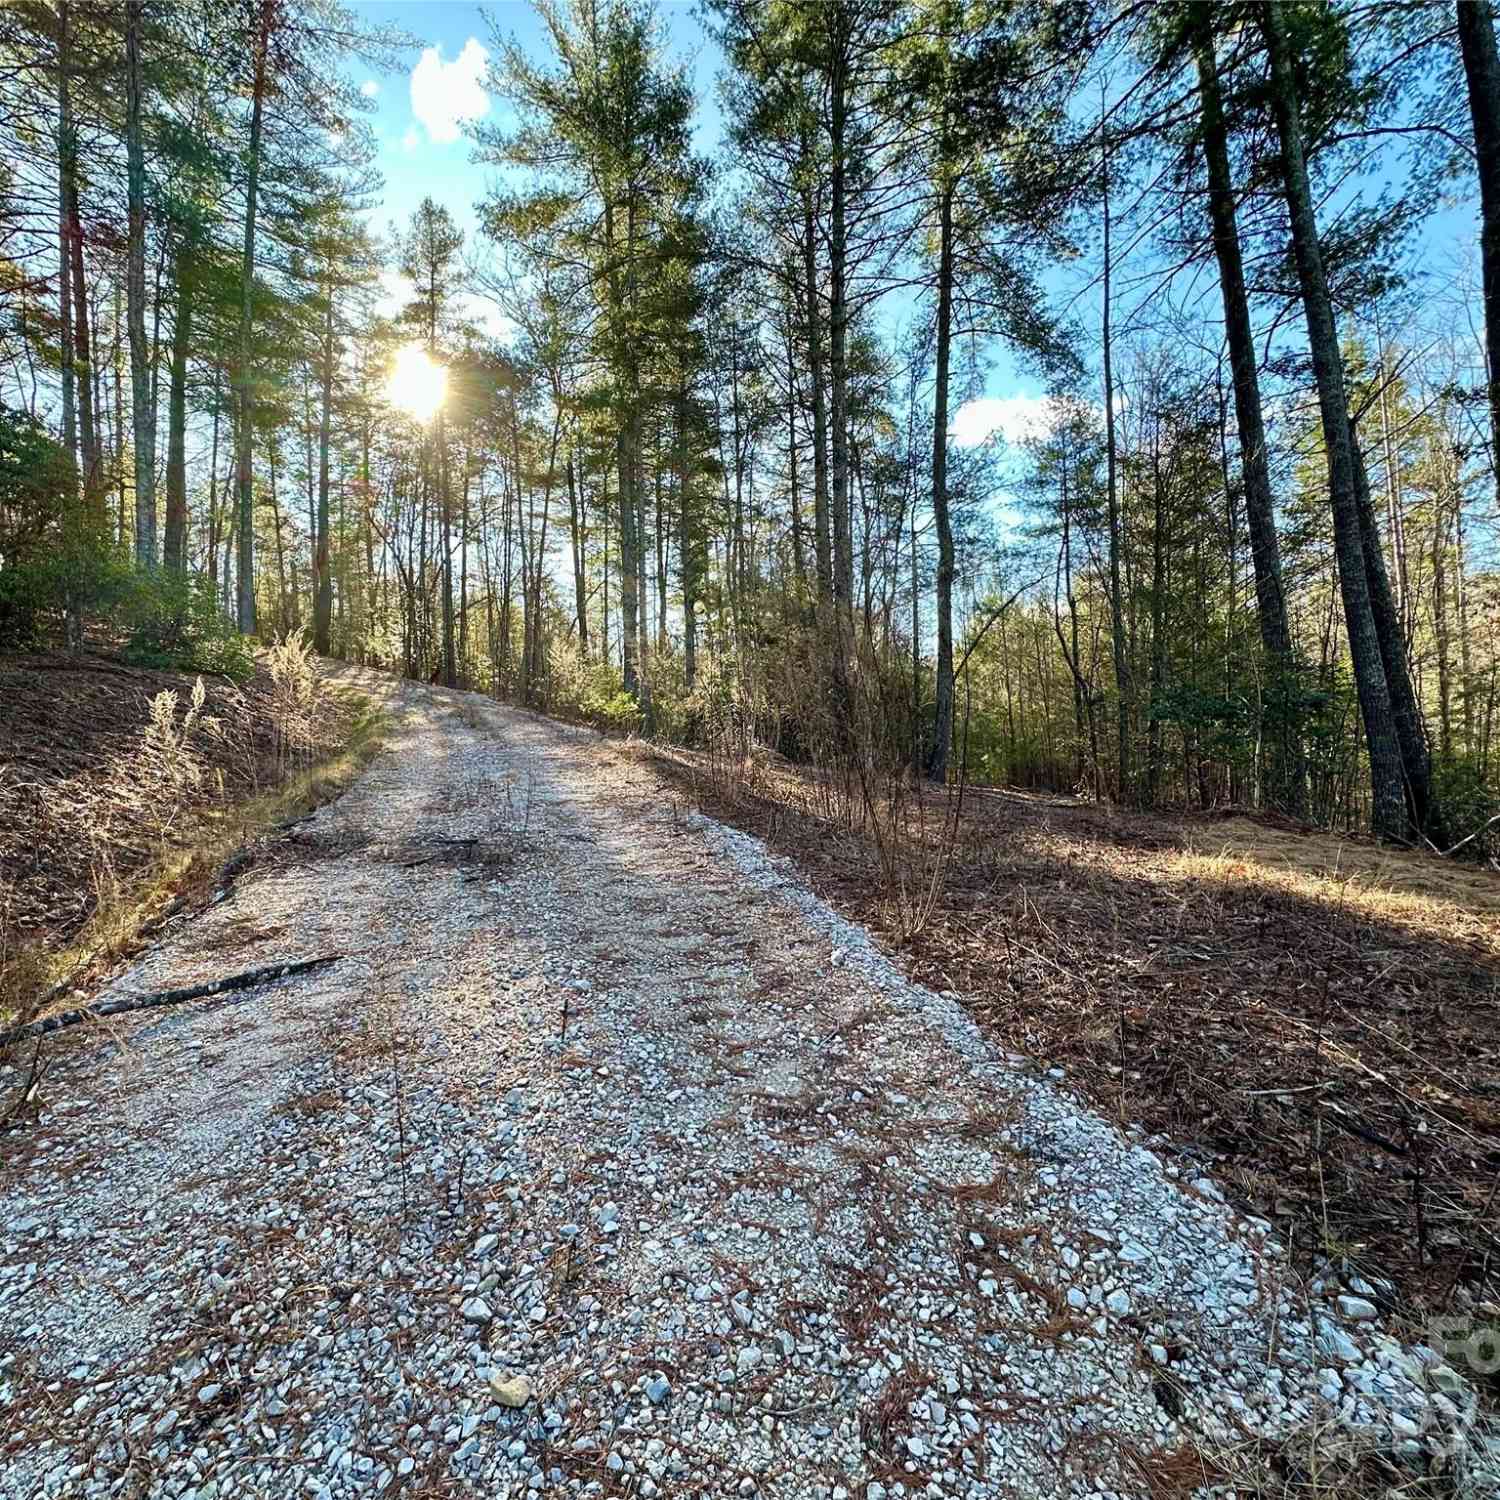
(1459, 845)
(246, 981)
(995, 613)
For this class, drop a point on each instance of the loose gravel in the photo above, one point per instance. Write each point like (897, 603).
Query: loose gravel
(610, 1161)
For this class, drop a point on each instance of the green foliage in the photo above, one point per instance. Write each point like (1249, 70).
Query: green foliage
(35, 473)
(1469, 802)
(40, 584)
(589, 692)
(1218, 726)
(52, 556)
(176, 624)
(58, 564)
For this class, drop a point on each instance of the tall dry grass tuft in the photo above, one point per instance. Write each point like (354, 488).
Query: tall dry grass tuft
(170, 765)
(296, 701)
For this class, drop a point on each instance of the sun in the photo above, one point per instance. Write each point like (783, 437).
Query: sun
(417, 385)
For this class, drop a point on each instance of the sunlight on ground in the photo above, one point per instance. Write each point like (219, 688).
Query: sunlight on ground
(1417, 892)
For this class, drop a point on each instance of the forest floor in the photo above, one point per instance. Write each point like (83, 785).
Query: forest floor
(607, 1159)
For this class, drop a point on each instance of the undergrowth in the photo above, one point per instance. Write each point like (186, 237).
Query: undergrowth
(1314, 1016)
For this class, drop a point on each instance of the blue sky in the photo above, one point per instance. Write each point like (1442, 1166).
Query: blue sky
(422, 107)
(421, 110)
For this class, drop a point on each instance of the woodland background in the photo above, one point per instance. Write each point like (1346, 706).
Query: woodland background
(708, 490)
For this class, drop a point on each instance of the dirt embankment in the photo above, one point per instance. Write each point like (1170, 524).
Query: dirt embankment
(107, 787)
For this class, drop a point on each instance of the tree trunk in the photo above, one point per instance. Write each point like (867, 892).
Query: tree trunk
(174, 534)
(244, 381)
(212, 559)
(663, 546)
(66, 170)
(1389, 813)
(1395, 509)
(1440, 627)
(1287, 772)
(1476, 39)
(322, 573)
(75, 377)
(1411, 730)
(1158, 623)
(799, 560)
(942, 728)
(687, 549)
(143, 422)
(1467, 688)
(838, 329)
(580, 591)
(281, 600)
(626, 466)
(90, 447)
(822, 542)
(642, 570)
(450, 666)
(629, 562)
(463, 570)
(118, 371)
(1123, 686)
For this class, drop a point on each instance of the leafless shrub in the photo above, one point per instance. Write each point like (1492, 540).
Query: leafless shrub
(851, 727)
(295, 700)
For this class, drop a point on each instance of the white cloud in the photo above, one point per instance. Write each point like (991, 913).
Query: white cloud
(369, 88)
(411, 140)
(445, 95)
(1015, 418)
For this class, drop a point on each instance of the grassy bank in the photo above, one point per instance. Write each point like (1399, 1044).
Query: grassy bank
(125, 795)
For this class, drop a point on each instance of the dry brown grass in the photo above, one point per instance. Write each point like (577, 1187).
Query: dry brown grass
(1317, 1464)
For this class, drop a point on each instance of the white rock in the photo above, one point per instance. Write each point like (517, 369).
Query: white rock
(513, 1390)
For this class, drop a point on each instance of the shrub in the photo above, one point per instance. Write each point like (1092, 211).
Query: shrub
(175, 624)
(1468, 803)
(588, 692)
(55, 553)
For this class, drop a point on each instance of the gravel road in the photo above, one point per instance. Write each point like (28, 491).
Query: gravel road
(609, 1161)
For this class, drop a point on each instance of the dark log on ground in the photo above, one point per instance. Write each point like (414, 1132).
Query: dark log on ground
(248, 980)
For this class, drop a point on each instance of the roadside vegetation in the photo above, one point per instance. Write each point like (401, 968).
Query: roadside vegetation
(1312, 1016)
(127, 792)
